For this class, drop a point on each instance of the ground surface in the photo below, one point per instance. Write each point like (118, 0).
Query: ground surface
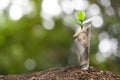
(65, 73)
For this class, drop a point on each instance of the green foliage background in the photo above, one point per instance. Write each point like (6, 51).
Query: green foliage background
(51, 48)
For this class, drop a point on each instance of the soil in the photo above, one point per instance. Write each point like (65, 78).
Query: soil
(65, 73)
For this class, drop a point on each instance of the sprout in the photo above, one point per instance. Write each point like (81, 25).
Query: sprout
(81, 16)
(81, 19)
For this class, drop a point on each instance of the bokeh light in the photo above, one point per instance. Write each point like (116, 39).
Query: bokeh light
(103, 35)
(4, 4)
(15, 12)
(30, 64)
(19, 8)
(94, 9)
(97, 22)
(67, 6)
(80, 4)
(109, 11)
(51, 7)
(48, 24)
(105, 47)
(105, 3)
(108, 46)
(100, 58)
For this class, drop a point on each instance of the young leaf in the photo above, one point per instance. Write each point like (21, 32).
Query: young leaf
(81, 16)
(88, 20)
(76, 22)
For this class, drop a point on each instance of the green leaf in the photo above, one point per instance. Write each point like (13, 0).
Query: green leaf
(88, 20)
(81, 16)
(76, 22)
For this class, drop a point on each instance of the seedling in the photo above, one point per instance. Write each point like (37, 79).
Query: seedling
(81, 19)
(82, 40)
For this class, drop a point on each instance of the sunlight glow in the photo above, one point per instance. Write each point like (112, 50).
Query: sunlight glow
(30, 64)
(4, 4)
(94, 10)
(109, 11)
(67, 7)
(51, 7)
(48, 24)
(26, 5)
(108, 47)
(19, 8)
(105, 3)
(20, 2)
(15, 12)
(97, 22)
(80, 4)
(103, 35)
(28, 8)
(99, 57)
(105, 46)
(45, 15)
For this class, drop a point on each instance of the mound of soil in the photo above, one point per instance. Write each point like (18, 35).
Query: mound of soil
(65, 73)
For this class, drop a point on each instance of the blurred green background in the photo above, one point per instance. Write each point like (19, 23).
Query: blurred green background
(36, 34)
